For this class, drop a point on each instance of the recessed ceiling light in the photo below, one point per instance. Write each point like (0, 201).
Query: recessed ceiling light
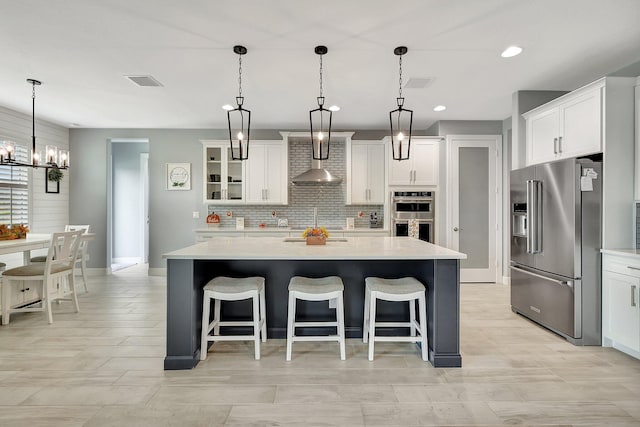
(511, 51)
(334, 108)
(439, 108)
(227, 107)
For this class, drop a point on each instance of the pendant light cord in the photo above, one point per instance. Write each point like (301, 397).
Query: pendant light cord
(33, 116)
(320, 76)
(400, 79)
(240, 76)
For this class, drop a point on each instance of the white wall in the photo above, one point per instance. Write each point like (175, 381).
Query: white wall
(49, 211)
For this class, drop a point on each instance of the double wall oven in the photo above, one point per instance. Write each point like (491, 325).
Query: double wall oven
(413, 209)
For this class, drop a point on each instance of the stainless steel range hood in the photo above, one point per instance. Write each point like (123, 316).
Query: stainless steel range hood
(316, 175)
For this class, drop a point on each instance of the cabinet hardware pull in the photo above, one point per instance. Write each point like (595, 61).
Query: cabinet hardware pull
(560, 144)
(633, 295)
(632, 268)
(555, 145)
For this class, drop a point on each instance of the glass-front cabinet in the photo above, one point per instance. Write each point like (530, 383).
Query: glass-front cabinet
(223, 177)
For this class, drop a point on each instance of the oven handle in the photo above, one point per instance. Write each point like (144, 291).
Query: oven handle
(406, 220)
(414, 199)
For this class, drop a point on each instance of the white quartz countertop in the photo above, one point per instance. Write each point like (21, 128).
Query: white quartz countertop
(634, 253)
(374, 248)
(287, 229)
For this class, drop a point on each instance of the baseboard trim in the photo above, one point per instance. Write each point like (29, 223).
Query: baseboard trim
(157, 272)
(95, 271)
(506, 280)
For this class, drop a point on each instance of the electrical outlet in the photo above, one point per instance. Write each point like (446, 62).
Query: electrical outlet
(196, 214)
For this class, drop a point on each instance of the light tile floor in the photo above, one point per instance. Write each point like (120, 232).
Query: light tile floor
(103, 367)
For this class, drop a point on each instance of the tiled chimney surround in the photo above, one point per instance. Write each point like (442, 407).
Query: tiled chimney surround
(328, 198)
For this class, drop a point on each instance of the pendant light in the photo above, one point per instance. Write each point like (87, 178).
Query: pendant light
(52, 154)
(401, 119)
(239, 118)
(320, 120)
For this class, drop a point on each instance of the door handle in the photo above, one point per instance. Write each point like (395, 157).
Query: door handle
(633, 295)
(560, 144)
(555, 145)
(456, 229)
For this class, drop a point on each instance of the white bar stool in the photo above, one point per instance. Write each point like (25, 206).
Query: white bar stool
(404, 289)
(320, 289)
(232, 289)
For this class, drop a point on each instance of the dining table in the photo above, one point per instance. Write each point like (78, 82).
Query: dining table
(33, 241)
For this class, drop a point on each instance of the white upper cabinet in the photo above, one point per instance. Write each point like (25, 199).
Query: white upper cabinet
(566, 127)
(366, 172)
(422, 166)
(266, 173)
(223, 180)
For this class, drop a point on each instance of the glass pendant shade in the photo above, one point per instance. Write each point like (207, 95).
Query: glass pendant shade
(401, 123)
(239, 127)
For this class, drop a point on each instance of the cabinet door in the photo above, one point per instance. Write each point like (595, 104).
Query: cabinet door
(275, 174)
(213, 174)
(621, 319)
(255, 174)
(234, 179)
(401, 171)
(375, 173)
(581, 124)
(424, 158)
(543, 131)
(359, 173)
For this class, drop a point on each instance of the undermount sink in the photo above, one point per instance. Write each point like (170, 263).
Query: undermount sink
(302, 239)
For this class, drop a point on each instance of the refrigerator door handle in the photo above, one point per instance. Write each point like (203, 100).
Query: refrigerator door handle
(534, 210)
(540, 276)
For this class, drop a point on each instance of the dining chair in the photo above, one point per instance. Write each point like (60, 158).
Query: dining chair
(83, 252)
(55, 274)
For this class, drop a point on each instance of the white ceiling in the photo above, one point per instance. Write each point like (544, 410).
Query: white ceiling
(81, 49)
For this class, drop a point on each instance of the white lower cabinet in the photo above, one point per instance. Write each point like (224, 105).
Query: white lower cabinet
(620, 303)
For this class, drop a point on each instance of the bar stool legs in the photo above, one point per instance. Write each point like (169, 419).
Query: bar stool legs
(321, 289)
(404, 289)
(231, 289)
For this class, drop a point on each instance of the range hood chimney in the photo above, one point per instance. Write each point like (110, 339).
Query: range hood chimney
(316, 175)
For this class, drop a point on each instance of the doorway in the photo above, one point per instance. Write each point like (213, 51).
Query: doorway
(474, 204)
(128, 203)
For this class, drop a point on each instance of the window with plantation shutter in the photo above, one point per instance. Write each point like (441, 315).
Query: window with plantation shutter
(14, 191)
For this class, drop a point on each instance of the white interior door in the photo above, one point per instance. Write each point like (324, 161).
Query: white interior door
(473, 199)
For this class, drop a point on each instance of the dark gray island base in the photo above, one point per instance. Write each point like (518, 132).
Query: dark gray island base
(186, 276)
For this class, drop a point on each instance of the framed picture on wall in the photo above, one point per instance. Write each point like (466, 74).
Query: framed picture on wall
(178, 176)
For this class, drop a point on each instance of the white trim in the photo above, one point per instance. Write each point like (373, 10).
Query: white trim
(496, 141)
(506, 280)
(98, 271)
(157, 272)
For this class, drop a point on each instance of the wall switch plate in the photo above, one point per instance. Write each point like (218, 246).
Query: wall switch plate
(196, 214)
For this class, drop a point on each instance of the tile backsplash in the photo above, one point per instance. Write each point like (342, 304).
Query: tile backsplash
(328, 198)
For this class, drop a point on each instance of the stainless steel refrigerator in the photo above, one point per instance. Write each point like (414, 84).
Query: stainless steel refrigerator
(555, 247)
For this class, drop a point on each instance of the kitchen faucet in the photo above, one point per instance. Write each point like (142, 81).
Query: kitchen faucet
(315, 217)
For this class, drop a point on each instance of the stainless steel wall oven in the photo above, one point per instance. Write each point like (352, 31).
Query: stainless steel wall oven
(413, 205)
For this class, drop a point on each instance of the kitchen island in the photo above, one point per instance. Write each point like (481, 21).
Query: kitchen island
(277, 260)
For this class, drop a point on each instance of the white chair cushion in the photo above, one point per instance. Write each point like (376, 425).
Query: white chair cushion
(320, 285)
(233, 285)
(404, 285)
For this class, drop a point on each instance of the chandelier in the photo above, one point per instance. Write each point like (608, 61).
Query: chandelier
(52, 157)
